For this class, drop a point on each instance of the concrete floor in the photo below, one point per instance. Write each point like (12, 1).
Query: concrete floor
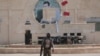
(52, 55)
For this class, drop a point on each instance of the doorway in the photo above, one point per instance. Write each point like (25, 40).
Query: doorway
(28, 37)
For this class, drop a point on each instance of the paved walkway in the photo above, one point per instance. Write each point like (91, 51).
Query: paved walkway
(52, 54)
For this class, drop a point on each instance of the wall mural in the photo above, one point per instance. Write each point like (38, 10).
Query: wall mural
(39, 8)
(49, 11)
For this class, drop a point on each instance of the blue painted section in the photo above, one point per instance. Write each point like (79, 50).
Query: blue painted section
(40, 5)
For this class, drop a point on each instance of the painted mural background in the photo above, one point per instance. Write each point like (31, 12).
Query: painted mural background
(46, 3)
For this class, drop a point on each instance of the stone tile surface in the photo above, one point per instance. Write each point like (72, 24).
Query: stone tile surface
(52, 54)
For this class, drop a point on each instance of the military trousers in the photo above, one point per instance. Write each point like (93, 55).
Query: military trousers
(47, 52)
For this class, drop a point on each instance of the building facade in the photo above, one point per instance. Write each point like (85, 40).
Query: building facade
(59, 17)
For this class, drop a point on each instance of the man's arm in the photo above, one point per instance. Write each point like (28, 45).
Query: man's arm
(52, 46)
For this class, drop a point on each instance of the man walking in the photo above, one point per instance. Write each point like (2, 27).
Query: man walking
(46, 46)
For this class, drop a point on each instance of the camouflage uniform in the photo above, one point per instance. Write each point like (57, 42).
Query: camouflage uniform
(46, 46)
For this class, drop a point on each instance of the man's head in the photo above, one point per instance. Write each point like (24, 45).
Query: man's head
(48, 35)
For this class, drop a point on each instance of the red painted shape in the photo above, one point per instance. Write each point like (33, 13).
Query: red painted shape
(64, 3)
(66, 13)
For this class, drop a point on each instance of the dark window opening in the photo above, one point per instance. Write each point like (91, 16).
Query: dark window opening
(78, 34)
(72, 34)
(65, 34)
